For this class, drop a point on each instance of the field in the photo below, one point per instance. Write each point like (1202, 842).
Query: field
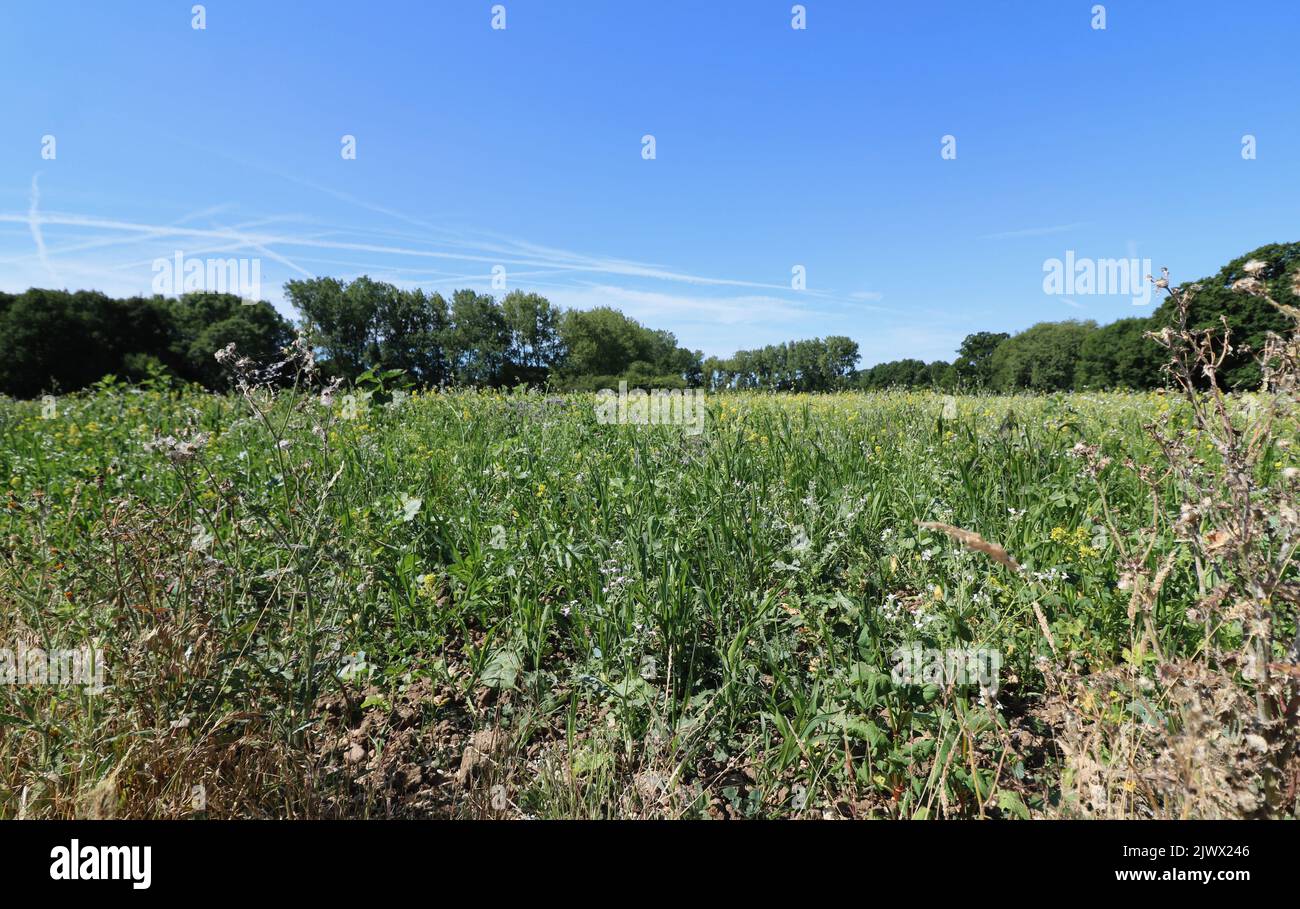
(493, 605)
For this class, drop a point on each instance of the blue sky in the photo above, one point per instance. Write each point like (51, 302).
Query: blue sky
(775, 148)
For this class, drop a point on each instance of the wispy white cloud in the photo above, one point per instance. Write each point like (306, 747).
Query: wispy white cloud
(646, 305)
(927, 342)
(481, 246)
(1034, 232)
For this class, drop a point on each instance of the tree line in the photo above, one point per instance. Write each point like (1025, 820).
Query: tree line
(1058, 356)
(58, 341)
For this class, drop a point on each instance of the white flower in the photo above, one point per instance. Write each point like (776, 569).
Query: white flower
(410, 508)
(179, 452)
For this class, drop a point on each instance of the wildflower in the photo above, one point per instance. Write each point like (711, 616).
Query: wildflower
(989, 699)
(891, 609)
(327, 393)
(1049, 576)
(800, 542)
(410, 506)
(176, 450)
(923, 619)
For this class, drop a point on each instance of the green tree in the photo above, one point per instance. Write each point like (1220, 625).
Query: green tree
(1120, 355)
(410, 331)
(1043, 357)
(942, 375)
(1250, 318)
(338, 320)
(974, 364)
(909, 373)
(207, 322)
(535, 346)
(54, 340)
(598, 341)
(841, 362)
(479, 339)
(368, 323)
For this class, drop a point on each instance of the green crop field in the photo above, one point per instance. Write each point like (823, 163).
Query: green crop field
(496, 605)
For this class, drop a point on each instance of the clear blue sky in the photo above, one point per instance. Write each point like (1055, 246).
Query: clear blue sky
(775, 147)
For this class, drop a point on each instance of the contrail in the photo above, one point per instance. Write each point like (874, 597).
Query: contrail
(272, 254)
(522, 255)
(280, 240)
(34, 222)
